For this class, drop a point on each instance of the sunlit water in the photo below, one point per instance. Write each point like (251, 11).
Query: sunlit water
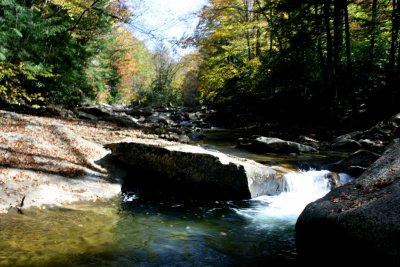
(133, 232)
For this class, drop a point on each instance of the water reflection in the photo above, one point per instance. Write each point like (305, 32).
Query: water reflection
(202, 234)
(139, 233)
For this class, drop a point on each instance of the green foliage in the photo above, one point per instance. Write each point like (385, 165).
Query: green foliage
(331, 55)
(164, 88)
(58, 50)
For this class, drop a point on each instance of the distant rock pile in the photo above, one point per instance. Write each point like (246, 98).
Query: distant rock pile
(171, 123)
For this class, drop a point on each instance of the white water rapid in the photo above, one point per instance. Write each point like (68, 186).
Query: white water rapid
(303, 188)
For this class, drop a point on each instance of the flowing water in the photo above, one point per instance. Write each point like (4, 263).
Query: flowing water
(128, 231)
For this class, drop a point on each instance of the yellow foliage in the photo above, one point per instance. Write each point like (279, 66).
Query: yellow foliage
(73, 7)
(103, 97)
(126, 64)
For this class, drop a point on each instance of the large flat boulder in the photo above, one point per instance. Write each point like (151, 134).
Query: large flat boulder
(188, 171)
(44, 163)
(359, 221)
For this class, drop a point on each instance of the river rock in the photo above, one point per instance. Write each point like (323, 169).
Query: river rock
(275, 145)
(102, 113)
(333, 179)
(373, 139)
(360, 219)
(396, 118)
(140, 111)
(346, 145)
(86, 116)
(188, 171)
(356, 163)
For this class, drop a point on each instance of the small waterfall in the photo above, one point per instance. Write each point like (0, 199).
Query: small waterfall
(307, 184)
(301, 188)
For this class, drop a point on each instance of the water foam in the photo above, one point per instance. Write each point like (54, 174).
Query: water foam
(302, 188)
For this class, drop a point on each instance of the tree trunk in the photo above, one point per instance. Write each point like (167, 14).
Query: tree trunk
(247, 33)
(337, 46)
(393, 47)
(397, 70)
(329, 51)
(322, 62)
(271, 31)
(349, 72)
(373, 28)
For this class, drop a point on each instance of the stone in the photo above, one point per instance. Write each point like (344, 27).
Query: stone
(346, 145)
(362, 218)
(45, 163)
(396, 118)
(372, 145)
(334, 179)
(123, 120)
(276, 145)
(352, 135)
(355, 164)
(85, 115)
(187, 171)
(101, 113)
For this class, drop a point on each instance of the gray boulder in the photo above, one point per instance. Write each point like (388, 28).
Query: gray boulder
(361, 219)
(101, 113)
(188, 171)
(396, 118)
(86, 116)
(356, 163)
(346, 145)
(276, 145)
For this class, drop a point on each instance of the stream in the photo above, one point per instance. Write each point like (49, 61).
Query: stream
(128, 231)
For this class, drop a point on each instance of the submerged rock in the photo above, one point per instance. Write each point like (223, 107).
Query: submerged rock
(188, 171)
(361, 218)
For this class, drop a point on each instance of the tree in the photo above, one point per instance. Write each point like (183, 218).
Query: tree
(301, 55)
(394, 46)
(164, 88)
(47, 48)
(230, 40)
(187, 78)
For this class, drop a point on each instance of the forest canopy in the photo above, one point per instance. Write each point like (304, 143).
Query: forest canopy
(302, 56)
(49, 50)
(259, 56)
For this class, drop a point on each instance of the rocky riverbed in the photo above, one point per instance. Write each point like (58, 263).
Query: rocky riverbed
(47, 161)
